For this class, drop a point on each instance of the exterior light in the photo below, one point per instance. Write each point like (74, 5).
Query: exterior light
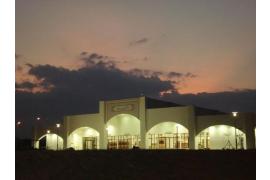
(19, 123)
(48, 131)
(235, 134)
(38, 118)
(234, 114)
(58, 126)
(109, 129)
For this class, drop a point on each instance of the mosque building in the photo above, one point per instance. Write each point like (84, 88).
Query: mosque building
(148, 123)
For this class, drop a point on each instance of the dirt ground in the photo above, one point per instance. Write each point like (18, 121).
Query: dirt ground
(135, 164)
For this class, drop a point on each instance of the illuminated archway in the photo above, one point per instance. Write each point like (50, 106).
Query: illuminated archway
(50, 142)
(84, 138)
(220, 137)
(123, 131)
(167, 135)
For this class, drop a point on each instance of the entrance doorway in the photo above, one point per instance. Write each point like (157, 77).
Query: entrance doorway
(123, 142)
(89, 143)
(123, 132)
(42, 143)
(84, 138)
(167, 135)
(203, 140)
(168, 141)
(220, 137)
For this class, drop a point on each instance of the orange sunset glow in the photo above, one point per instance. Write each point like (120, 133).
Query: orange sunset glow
(216, 42)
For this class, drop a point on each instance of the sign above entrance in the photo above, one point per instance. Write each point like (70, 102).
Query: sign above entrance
(123, 106)
(128, 107)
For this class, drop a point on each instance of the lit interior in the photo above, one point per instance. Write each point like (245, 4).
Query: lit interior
(220, 137)
(83, 138)
(167, 135)
(53, 141)
(123, 131)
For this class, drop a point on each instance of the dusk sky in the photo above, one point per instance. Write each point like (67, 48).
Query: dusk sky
(214, 40)
(173, 47)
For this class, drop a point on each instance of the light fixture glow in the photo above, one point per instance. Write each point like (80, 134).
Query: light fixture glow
(48, 131)
(234, 114)
(58, 125)
(109, 129)
(19, 123)
(38, 118)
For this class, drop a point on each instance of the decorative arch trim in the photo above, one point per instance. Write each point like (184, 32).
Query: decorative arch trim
(149, 128)
(122, 114)
(166, 122)
(50, 134)
(82, 128)
(219, 124)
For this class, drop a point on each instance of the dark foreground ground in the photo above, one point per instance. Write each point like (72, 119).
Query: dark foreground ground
(135, 164)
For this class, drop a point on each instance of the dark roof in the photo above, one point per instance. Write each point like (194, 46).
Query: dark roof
(199, 111)
(151, 103)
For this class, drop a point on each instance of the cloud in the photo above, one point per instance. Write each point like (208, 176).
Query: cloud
(25, 85)
(173, 74)
(78, 91)
(145, 72)
(103, 68)
(94, 59)
(83, 53)
(190, 75)
(29, 65)
(101, 75)
(139, 41)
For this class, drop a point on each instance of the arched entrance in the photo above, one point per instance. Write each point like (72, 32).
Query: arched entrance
(167, 135)
(123, 132)
(50, 141)
(220, 137)
(84, 138)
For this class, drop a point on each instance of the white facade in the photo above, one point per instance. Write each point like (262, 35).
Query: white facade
(152, 124)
